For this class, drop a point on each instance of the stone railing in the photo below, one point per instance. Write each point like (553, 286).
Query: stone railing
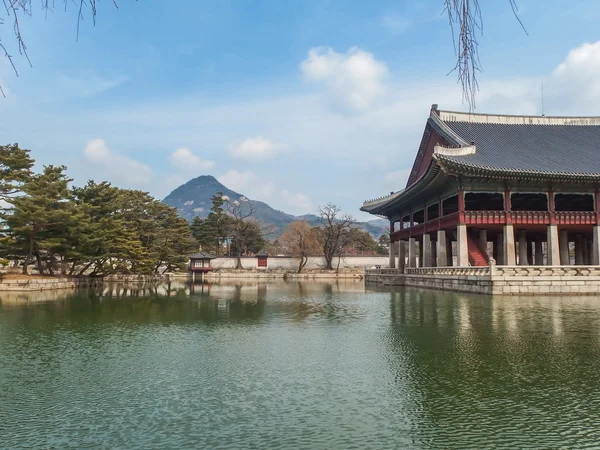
(449, 271)
(546, 271)
(382, 272)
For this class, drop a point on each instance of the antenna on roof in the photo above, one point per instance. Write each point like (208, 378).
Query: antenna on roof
(543, 97)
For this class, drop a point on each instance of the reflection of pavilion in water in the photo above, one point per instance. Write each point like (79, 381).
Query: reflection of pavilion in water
(492, 370)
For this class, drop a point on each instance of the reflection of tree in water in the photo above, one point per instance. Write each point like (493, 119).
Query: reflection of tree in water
(491, 371)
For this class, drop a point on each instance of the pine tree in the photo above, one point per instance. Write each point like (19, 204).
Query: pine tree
(39, 218)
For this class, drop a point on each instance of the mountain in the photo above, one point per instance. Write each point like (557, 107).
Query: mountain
(193, 199)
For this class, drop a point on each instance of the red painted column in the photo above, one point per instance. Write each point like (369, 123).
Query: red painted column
(440, 213)
(507, 207)
(425, 218)
(461, 206)
(597, 206)
(552, 207)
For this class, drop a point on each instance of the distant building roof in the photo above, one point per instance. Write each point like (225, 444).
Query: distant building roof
(201, 255)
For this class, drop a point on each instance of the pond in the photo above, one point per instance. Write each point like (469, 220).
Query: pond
(297, 365)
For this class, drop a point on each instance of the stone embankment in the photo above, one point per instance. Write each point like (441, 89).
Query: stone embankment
(43, 283)
(313, 274)
(496, 280)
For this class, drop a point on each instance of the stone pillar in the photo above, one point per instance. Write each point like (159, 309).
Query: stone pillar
(565, 259)
(401, 255)
(499, 246)
(586, 247)
(553, 246)
(426, 250)
(433, 254)
(412, 252)
(539, 252)
(392, 254)
(529, 252)
(449, 251)
(596, 245)
(579, 253)
(509, 246)
(483, 241)
(442, 256)
(462, 249)
(523, 248)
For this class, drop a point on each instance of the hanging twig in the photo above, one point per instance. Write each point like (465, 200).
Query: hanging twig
(15, 9)
(466, 23)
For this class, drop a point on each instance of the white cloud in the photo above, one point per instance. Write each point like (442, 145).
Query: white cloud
(354, 80)
(575, 82)
(256, 148)
(116, 167)
(297, 203)
(184, 159)
(237, 181)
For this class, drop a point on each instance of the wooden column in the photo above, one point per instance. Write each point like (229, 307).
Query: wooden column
(499, 248)
(401, 255)
(461, 206)
(565, 259)
(523, 248)
(539, 252)
(579, 250)
(507, 207)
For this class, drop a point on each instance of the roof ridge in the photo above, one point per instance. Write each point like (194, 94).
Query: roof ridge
(512, 119)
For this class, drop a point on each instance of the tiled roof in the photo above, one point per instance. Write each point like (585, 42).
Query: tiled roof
(201, 255)
(527, 144)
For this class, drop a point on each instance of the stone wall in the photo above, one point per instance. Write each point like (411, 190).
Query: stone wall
(43, 283)
(497, 280)
(39, 283)
(285, 274)
(314, 262)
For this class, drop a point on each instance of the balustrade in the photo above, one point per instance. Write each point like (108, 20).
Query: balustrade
(575, 217)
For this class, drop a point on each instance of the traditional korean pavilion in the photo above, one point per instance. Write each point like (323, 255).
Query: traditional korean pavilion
(200, 262)
(521, 189)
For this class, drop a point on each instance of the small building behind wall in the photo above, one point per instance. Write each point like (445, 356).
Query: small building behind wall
(521, 189)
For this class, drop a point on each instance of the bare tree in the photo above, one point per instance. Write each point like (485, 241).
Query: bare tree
(240, 211)
(336, 230)
(301, 241)
(466, 24)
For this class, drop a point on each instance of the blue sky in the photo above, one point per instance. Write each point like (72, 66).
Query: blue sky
(295, 103)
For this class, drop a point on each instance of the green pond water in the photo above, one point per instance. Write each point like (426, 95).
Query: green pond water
(297, 365)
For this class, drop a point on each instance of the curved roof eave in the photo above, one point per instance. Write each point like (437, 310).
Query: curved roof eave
(451, 165)
(382, 206)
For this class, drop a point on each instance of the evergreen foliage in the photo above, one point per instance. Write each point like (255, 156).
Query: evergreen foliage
(97, 229)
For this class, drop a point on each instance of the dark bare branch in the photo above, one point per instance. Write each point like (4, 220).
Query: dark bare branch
(466, 24)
